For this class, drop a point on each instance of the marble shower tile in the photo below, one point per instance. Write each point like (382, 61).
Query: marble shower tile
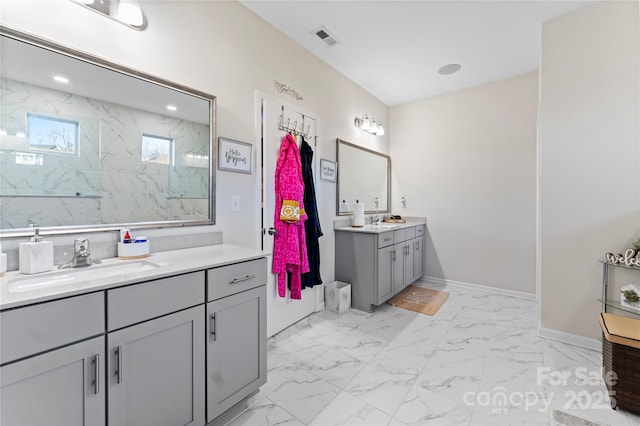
(345, 409)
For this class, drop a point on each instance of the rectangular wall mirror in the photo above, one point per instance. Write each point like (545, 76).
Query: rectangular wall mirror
(86, 144)
(363, 175)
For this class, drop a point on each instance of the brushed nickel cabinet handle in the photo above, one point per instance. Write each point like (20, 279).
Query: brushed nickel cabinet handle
(212, 319)
(96, 374)
(119, 364)
(239, 280)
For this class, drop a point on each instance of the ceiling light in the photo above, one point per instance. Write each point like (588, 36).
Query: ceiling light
(449, 69)
(171, 108)
(61, 79)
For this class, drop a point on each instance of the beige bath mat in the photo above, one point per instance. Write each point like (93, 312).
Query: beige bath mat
(419, 299)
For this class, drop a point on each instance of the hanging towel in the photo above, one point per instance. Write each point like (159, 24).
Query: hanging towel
(313, 231)
(289, 243)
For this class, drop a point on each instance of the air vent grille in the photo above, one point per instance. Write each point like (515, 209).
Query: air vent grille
(323, 34)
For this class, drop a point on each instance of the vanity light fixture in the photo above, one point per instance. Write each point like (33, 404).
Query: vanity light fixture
(369, 125)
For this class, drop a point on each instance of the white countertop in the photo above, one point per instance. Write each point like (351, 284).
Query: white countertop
(382, 227)
(157, 265)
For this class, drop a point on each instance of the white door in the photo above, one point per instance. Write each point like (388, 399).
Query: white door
(281, 312)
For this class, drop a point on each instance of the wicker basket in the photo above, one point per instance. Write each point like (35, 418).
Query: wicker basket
(624, 360)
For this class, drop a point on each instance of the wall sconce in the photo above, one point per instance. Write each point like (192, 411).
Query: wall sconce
(369, 125)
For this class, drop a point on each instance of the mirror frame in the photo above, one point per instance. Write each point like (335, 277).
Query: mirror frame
(340, 166)
(95, 60)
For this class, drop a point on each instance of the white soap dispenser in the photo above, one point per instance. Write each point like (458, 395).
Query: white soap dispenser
(36, 256)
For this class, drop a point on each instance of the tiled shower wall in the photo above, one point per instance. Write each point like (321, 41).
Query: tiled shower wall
(106, 182)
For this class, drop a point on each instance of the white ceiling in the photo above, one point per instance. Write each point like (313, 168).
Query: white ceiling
(393, 49)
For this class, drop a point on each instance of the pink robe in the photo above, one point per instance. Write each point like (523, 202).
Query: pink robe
(289, 244)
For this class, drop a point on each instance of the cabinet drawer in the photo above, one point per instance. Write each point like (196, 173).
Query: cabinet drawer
(420, 230)
(399, 236)
(410, 233)
(385, 239)
(33, 329)
(140, 302)
(227, 280)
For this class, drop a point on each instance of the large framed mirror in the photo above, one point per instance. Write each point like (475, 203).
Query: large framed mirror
(363, 175)
(88, 145)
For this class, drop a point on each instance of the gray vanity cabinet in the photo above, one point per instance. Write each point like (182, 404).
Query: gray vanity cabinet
(386, 280)
(53, 363)
(236, 334)
(378, 265)
(156, 371)
(60, 387)
(155, 352)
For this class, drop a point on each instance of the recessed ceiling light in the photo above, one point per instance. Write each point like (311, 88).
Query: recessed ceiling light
(171, 108)
(61, 79)
(449, 69)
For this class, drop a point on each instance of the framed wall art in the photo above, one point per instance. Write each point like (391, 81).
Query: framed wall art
(328, 170)
(234, 156)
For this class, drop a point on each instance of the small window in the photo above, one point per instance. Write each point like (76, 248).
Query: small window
(52, 134)
(156, 149)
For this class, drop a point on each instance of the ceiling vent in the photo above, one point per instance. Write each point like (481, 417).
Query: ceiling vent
(323, 34)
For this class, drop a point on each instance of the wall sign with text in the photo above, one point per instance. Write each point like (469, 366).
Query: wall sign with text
(234, 156)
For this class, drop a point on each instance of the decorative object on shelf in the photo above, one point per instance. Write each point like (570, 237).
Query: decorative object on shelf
(369, 125)
(234, 156)
(630, 297)
(328, 170)
(628, 258)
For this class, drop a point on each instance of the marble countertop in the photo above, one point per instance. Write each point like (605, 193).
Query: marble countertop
(18, 289)
(382, 227)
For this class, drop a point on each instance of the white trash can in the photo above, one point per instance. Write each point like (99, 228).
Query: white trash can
(337, 296)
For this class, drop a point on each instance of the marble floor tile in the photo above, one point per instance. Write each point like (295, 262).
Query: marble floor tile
(477, 361)
(346, 409)
(303, 395)
(267, 413)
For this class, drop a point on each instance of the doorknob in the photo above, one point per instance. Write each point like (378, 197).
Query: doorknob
(272, 231)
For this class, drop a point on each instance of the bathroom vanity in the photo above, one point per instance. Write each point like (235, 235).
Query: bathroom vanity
(176, 338)
(379, 260)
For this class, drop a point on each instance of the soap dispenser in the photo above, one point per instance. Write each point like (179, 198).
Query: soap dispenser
(35, 256)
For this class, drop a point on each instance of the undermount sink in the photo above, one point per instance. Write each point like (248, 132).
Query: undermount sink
(77, 275)
(382, 226)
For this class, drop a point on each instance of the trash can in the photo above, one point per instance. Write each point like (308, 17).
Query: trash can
(621, 355)
(337, 296)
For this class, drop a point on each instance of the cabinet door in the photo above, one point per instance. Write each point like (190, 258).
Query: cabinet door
(156, 371)
(61, 387)
(398, 267)
(409, 272)
(236, 349)
(418, 258)
(386, 258)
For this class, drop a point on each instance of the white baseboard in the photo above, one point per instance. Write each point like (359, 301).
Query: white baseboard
(505, 292)
(571, 339)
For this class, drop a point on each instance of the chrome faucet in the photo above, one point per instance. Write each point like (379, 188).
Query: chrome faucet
(81, 255)
(376, 219)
